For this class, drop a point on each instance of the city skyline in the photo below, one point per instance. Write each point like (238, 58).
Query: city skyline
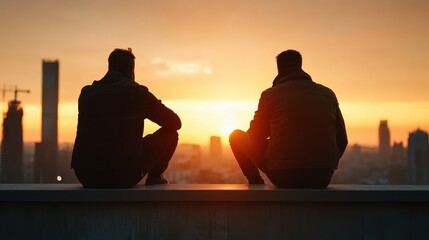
(209, 61)
(193, 132)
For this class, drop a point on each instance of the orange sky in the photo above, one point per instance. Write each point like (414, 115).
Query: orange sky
(202, 56)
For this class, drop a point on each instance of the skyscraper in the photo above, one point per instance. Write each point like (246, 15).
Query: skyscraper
(384, 147)
(418, 157)
(46, 154)
(12, 145)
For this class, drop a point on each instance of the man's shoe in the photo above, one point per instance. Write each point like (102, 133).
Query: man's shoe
(256, 181)
(158, 179)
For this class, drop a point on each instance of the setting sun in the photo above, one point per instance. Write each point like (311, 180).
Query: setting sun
(228, 125)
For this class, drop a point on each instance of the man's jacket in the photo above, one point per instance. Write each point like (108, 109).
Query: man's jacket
(111, 122)
(303, 122)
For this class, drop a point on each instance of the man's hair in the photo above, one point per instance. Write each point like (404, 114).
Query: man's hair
(289, 59)
(122, 60)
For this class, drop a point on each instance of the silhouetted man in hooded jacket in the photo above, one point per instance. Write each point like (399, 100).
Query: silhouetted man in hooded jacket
(297, 134)
(109, 150)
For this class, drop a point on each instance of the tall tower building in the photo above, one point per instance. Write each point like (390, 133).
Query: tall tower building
(46, 154)
(384, 147)
(12, 145)
(50, 88)
(418, 157)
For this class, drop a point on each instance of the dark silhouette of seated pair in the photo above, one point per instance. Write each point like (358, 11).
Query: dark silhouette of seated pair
(296, 137)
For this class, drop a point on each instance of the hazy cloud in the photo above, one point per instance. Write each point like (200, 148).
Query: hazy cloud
(167, 68)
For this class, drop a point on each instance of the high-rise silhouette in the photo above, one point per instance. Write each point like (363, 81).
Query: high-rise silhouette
(46, 166)
(11, 147)
(12, 143)
(384, 147)
(418, 157)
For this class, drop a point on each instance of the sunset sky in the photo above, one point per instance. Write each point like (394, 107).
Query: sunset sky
(210, 60)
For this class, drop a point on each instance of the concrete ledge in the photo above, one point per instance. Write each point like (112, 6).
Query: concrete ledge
(220, 212)
(212, 192)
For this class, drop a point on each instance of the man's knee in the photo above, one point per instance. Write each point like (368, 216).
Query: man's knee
(236, 136)
(169, 135)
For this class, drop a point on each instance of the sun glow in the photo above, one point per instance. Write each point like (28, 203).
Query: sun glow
(228, 125)
(202, 119)
(228, 116)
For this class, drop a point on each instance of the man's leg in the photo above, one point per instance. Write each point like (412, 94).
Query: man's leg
(157, 150)
(301, 177)
(101, 178)
(249, 155)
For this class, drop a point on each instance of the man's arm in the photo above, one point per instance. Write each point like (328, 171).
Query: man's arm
(158, 113)
(260, 125)
(341, 132)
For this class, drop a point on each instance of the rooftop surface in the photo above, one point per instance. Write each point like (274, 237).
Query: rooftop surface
(212, 192)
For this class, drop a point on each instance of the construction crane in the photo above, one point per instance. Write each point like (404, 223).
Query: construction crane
(15, 91)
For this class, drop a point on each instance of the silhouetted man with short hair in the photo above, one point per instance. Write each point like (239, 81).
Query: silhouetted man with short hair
(297, 134)
(109, 150)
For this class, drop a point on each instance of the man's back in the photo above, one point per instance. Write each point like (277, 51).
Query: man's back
(111, 123)
(303, 118)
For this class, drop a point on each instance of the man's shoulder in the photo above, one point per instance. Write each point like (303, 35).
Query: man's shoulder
(295, 88)
(133, 86)
(325, 89)
(140, 87)
(127, 85)
(86, 89)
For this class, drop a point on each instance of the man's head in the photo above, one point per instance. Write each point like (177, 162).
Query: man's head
(122, 60)
(288, 60)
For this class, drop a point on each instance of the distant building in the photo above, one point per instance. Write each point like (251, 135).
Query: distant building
(356, 149)
(418, 157)
(28, 162)
(384, 147)
(46, 152)
(215, 147)
(12, 145)
(397, 165)
(184, 166)
(398, 154)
